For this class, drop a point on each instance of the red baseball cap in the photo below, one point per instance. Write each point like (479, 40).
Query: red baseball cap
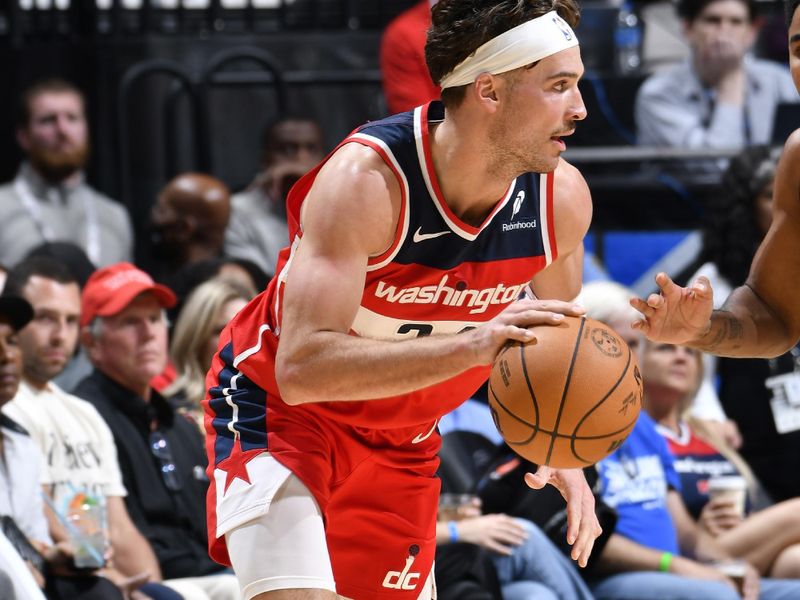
(112, 288)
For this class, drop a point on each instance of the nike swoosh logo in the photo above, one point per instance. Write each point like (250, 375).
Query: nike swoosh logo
(421, 237)
(424, 436)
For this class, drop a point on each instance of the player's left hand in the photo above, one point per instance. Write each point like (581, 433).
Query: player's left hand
(583, 528)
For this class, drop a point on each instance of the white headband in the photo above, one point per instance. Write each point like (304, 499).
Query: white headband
(524, 44)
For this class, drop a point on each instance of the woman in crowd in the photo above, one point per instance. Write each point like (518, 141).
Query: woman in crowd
(769, 538)
(194, 340)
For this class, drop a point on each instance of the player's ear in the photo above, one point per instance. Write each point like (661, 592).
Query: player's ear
(485, 91)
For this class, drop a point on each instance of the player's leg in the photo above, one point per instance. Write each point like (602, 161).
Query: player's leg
(283, 554)
(382, 532)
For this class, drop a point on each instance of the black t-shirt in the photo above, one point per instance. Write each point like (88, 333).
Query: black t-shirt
(173, 519)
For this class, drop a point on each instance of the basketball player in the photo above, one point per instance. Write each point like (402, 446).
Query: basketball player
(761, 318)
(409, 246)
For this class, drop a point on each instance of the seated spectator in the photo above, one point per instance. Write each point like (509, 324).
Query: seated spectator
(291, 146)
(23, 523)
(49, 200)
(721, 97)
(769, 538)
(161, 454)
(78, 448)
(81, 268)
(187, 224)
(404, 72)
(195, 339)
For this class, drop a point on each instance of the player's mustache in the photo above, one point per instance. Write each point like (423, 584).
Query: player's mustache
(568, 130)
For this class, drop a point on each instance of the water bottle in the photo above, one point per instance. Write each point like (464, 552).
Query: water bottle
(627, 41)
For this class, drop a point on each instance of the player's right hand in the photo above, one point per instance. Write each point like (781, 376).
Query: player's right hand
(677, 315)
(513, 324)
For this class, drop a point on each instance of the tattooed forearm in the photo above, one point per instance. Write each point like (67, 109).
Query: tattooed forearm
(725, 328)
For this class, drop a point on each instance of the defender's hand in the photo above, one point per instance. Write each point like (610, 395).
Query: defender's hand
(677, 315)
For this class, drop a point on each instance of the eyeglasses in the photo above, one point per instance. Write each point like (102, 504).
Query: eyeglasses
(169, 473)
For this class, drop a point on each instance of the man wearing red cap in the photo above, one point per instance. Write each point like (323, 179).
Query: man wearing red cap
(161, 456)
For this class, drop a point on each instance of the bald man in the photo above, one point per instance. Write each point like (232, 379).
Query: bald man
(188, 222)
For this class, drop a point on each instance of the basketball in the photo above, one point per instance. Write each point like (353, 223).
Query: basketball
(568, 399)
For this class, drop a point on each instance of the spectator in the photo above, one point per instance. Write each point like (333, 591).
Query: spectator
(79, 451)
(769, 538)
(81, 268)
(161, 454)
(49, 199)
(291, 146)
(404, 72)
(721, 97)
(24, 523)
(196, 337)
(187, 223)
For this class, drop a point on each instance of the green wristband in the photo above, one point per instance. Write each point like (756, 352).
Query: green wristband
(665, 562)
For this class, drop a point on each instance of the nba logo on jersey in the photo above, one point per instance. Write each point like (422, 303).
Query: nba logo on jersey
(517, 203)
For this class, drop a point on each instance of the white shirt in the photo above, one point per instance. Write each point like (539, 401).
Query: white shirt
(25, 587)
(75, 442)
(20, 483)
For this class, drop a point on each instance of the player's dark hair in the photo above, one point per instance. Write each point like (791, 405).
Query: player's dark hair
(791, 8)
(731, 234)
(52, 85)
(41, 266)
(691, 9)
(459, 27)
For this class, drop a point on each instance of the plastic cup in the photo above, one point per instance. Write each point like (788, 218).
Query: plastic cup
(730, 488)
(453, 507)
(736, 570)
(88, 533)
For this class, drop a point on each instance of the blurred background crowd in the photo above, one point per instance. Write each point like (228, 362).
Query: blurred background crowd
(147, 149)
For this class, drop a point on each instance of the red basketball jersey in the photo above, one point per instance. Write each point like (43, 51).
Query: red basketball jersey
(439, 276)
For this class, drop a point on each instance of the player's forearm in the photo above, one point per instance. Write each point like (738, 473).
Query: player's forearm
(745, 326)
(332, 366)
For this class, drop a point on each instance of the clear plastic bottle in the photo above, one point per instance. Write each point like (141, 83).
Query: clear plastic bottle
(627, 40)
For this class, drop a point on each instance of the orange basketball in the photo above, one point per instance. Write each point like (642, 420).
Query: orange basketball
(568, 399)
